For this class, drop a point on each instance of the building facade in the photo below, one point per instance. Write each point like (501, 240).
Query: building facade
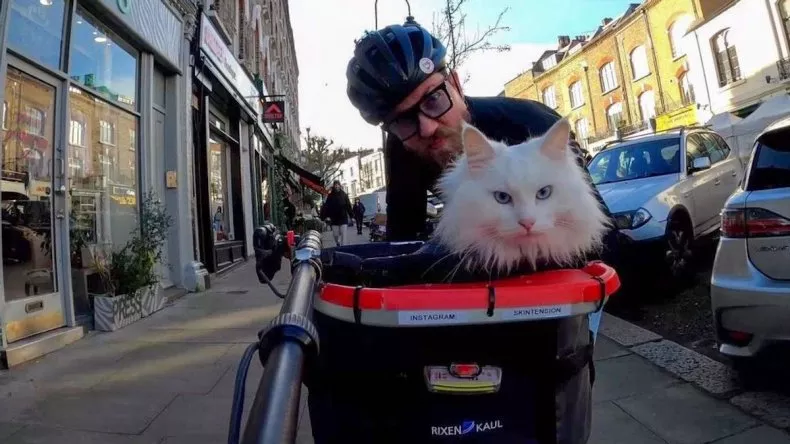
(371, 172)
(621, 79)
(107, 101)
(739, 56)
(93, 116)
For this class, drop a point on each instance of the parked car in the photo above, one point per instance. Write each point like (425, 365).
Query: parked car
(666, 190)
(750, 285)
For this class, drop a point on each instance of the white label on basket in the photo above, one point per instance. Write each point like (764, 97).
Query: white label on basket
(543, 312)
(432, 317)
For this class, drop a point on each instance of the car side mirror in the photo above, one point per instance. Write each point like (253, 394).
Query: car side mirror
(700, 163)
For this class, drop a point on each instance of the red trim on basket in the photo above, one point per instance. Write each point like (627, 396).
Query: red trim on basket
(554, 287)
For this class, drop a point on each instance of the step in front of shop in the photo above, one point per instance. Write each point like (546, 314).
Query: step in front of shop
(40, 345)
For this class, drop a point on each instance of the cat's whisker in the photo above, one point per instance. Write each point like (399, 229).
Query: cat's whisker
(436, 263)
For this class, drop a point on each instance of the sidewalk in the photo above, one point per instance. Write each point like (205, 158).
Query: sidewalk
(169, 379)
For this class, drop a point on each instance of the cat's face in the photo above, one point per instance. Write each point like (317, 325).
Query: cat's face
(505, 204)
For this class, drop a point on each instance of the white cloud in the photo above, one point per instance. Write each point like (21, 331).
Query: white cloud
(324, 33)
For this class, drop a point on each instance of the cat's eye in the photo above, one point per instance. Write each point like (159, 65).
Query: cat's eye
(544, 192)
(502, 197)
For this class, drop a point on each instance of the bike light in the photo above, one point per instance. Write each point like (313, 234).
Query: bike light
(464, 370)
(632, 219)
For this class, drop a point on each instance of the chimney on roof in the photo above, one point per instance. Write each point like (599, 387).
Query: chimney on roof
(606, 21)
(581, 38)
(563, 41)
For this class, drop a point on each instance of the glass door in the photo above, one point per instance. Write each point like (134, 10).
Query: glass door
(29, 220)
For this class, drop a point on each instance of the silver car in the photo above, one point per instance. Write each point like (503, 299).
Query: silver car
(665, 190)
(750, 286)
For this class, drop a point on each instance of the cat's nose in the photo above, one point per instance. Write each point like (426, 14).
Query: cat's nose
(527, 223)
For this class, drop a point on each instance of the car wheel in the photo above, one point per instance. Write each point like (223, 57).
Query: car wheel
(679, 253)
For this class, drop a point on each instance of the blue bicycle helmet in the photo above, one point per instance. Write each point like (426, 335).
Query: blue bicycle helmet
(388, 65)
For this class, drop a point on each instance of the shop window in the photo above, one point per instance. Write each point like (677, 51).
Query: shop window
(101, 62)
(550, 97)
(575, 92)
(219, 190)
(614, 116)
(727, 66)
(639, 67)
(35, 29)
(99, 175)
(608, 77)
(5, 116)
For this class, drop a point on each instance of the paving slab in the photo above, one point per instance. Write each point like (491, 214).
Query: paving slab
(47, 435)
(196, 415)
(625, 333)
(684, 415)
(611, 425)
(627, 376)
(605, 348)
(758, 435)
(126, 412)
(711, 375)
(7, 429)
(772, 408)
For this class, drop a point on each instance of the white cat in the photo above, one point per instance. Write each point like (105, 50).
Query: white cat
(528, 202)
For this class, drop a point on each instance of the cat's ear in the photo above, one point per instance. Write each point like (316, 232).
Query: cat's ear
(478, 149)
(555, 141)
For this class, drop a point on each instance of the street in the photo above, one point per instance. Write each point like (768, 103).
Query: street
(169, 379)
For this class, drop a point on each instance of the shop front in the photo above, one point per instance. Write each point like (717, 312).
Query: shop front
(87, 96)
(261, 158)
(225, 115)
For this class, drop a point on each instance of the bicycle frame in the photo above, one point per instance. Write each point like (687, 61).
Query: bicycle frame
(283, 347)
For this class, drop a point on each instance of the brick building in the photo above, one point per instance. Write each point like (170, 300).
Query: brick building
(624, 76)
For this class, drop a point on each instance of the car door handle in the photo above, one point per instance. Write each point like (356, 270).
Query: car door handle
(716, 182)
(734, 174)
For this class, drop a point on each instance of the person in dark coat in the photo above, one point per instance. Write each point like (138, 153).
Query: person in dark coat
(336, 212)
(359, 213)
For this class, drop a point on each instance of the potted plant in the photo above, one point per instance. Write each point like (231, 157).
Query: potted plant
(129, 277)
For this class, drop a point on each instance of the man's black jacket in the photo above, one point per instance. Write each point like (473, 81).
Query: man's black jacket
(506, 119)
(337, 208)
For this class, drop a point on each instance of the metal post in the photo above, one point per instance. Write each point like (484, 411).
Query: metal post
(3, 27)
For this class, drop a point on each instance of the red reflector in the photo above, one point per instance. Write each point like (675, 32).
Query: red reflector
(464, 370)
(739, 336)
(291, 237)
(733, 223)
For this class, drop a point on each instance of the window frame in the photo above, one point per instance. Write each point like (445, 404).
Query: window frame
(571, 95)
(603, 73)
(728, 66)
(553, 96)
(644, 66)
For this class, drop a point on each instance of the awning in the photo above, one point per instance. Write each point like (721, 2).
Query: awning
(307, 178)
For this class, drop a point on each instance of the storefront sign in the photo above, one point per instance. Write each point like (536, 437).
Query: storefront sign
(153, 22)
(681, 117)
(274, 111)
(223, 59)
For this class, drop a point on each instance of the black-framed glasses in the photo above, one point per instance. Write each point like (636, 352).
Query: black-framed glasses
(433, 105)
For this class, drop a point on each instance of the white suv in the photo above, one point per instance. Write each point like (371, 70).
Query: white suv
(666, 190)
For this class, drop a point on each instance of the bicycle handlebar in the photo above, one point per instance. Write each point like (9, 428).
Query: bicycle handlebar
(283, 347)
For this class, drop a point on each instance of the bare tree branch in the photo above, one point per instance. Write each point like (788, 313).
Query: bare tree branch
(321, 157)
(449, 26)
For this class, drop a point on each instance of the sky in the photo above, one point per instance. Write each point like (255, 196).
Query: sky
(325, 30)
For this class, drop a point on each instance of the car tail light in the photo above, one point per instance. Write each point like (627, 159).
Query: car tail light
(753, 222)
(737, 338)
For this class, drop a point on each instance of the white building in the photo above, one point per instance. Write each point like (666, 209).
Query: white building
(738, 57)
(348, 175)
(372, 175)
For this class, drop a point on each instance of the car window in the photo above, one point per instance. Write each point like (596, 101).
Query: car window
(635, 161)
(725, 149)
(771, 164)
(695, 149)
(714, 150)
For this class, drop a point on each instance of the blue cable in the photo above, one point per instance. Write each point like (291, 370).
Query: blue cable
(234, 429)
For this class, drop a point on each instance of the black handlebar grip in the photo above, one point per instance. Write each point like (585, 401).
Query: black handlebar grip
(311, 239)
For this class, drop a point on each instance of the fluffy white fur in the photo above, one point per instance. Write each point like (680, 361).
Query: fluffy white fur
(490, 230)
